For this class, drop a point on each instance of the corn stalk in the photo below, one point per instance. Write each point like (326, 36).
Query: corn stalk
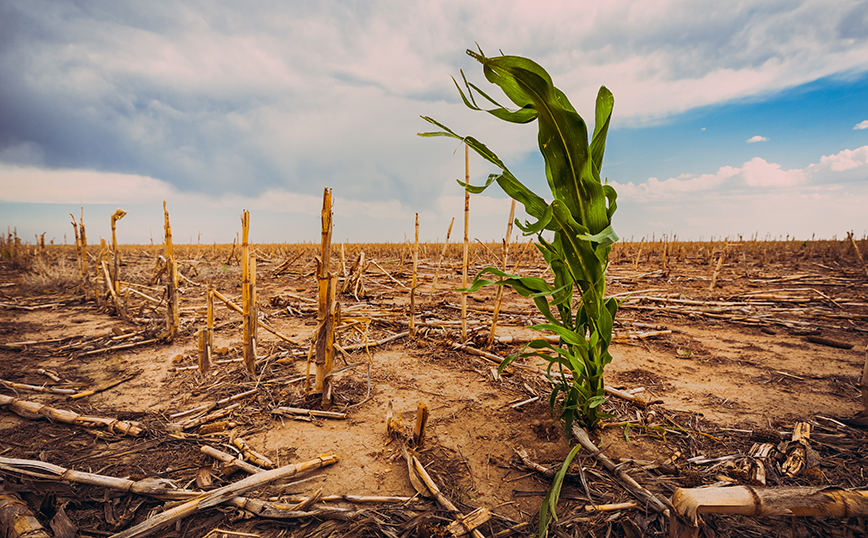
(116, 216)
(328, 312)
(248, 296)
(85, 278)
(173, 311)
(574, 233)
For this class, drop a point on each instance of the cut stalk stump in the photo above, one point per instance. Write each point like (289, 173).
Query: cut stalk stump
(688, 504)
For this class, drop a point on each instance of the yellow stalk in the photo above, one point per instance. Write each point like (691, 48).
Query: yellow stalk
(173, 313)
(248, 353)
(327, 314)
(499, 297)
(116, 216)
(412, 326)
(442, 253)
(466, 243)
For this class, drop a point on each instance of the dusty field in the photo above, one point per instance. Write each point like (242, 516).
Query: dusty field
(716, 366)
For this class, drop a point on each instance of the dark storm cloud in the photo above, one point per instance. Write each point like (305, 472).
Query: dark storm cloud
(227, 99)
(167, 91)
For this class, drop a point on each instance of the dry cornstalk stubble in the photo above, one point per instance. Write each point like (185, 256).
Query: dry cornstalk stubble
(17, 520)
(32, 410)
(801, 301)
(762, 502)
(329, 313)
(221, 495)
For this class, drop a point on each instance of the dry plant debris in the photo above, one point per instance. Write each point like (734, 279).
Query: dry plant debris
(708, 388)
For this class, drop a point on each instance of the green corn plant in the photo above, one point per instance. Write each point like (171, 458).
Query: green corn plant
(574, 233)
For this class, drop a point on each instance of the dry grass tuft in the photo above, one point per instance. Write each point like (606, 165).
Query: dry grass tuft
(50, 276)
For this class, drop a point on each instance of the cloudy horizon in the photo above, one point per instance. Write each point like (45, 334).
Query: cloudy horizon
(728, 119)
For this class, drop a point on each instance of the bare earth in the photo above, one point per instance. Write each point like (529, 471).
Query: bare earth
(716, 365)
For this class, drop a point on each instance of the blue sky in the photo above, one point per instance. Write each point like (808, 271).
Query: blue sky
(730, 118)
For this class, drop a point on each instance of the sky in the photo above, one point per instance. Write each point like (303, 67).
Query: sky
(731, 118)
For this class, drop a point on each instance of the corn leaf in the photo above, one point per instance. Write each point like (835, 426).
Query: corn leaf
(548, 511)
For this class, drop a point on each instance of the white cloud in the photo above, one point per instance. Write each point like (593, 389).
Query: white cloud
(848, 159)
(844, 166)
(755, 139)
(36, 185)
(659, 58)
(378, 220)
(663, 58)
(799, 213)
(825, 198)
(759, 173)
(861, 125)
